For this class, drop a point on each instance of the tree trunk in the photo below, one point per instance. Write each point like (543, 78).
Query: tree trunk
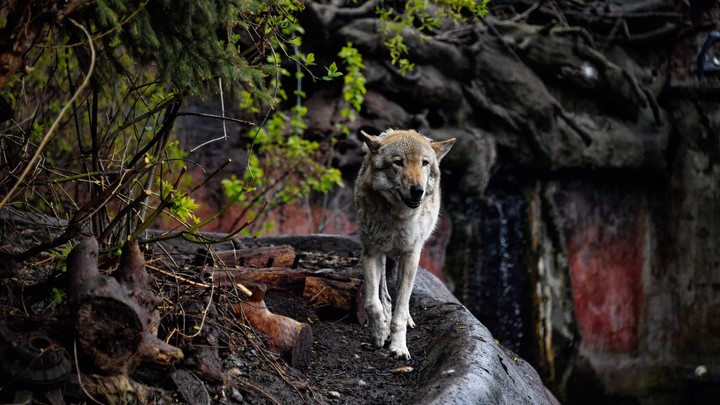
(115, 318)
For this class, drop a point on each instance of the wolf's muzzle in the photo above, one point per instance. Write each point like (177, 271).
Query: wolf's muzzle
(416, 194)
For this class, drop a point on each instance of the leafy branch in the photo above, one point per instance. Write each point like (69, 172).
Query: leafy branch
(425, 17)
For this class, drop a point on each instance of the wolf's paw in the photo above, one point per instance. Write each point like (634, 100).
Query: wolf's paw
(399, 351)
(410, 322)
(378, 324)
(379, 333)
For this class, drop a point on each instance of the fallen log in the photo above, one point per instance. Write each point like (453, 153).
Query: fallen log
(276, 279)
(285, 336)
(258, 257)
(338, 295)
(319, 289)
(115, 319)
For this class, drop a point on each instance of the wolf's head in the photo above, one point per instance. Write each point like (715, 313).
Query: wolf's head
(405, 165)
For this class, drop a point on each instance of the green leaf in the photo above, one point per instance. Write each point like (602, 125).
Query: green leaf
(183, 207)
(332, 72)
(310, 59)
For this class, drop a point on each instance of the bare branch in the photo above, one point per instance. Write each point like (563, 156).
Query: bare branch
(48, 136)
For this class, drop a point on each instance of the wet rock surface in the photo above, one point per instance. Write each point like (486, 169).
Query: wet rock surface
(455, 359)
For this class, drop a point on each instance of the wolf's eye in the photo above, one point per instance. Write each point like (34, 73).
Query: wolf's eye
(425, 162)
(398, 163)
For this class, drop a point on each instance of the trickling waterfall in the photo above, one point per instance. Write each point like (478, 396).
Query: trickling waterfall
(498, 287)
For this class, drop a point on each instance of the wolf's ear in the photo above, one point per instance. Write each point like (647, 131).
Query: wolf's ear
(373, 142)
(443, 147)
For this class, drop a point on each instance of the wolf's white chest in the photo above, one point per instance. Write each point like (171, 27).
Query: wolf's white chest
(386, 233)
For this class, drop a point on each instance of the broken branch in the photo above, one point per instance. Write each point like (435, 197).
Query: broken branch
(286, 336)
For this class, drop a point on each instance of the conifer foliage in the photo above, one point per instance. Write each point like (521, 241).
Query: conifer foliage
(187, 41)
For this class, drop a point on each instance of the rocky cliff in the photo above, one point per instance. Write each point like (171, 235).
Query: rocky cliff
(582, 200)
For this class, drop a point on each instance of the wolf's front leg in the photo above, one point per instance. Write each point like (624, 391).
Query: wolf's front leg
(378, 321)
(401, 315)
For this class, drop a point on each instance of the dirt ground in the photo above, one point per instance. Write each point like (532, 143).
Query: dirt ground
(345, 368)
(226, 361)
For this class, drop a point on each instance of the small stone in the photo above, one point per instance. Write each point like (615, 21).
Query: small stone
(362, 383)
(701, 371)
(449, 371)
(236, 396)
(234, 372)
(334, 394)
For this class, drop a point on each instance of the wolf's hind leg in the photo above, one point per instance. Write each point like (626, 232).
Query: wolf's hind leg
(385, 298)
(378, 321)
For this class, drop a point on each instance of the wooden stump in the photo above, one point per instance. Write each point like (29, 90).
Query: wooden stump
(115, 318)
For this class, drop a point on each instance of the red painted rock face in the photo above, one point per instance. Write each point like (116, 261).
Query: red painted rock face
(605, 234)
(433, 254)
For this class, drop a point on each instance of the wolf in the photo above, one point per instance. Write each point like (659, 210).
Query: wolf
(397, 196)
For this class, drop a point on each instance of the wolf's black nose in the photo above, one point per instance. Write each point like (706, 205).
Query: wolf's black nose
(416, 192)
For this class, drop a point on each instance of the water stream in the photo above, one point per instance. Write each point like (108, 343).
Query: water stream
(499, 290)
